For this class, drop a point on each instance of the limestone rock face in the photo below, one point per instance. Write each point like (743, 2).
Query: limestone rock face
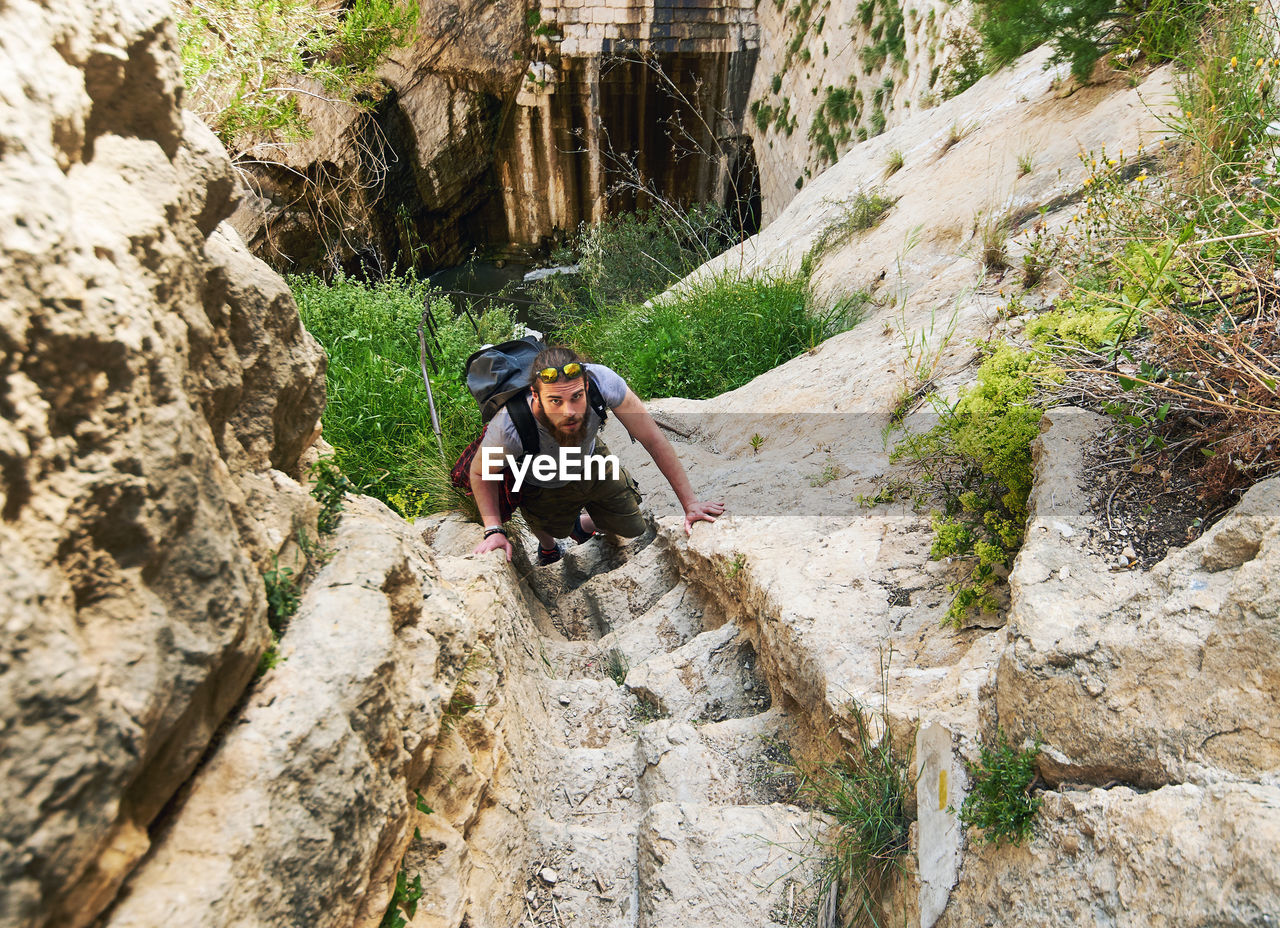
(1180, 855)
(1149, 679)
(310, 791)
(150, 371)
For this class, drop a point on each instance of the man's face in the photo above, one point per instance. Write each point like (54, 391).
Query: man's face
(562, 407)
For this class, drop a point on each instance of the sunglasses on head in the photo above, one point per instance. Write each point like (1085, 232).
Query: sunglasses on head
(552, 374)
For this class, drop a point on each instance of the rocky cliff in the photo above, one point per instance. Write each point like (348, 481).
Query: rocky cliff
(509, 124)
(157, 393)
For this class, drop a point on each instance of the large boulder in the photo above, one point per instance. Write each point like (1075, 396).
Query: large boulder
(1142, 678)
(308, 799)
(152, 374)
(1180, 855)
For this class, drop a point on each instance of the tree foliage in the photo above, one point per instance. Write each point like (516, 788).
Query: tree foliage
(1082, 31)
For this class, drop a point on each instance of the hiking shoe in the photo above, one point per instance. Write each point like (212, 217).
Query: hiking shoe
(580, 534)
(548, 556)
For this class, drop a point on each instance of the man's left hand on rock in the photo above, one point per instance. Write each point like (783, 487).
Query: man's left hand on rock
(699, 511)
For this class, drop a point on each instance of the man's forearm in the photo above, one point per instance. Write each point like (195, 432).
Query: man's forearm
(665, 457)
(486, 494)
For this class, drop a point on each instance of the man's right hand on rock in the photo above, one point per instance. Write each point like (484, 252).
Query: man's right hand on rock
(493, 543)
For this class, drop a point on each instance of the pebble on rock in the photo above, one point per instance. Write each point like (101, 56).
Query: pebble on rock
(549, 876)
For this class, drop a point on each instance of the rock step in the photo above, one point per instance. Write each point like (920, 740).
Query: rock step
(710, 678)
(680, 615)
(607, 600)
(676, 821)
(704, 866)
(586, 876)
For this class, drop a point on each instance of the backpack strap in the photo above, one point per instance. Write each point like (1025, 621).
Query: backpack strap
(596, 401)
(522, 418)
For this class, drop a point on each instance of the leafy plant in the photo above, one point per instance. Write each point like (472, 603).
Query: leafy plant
(330, 488)
(1000, 803)
(270, 658)
(377, 418)
(1026, 163)
(404, 901)
(283, 595)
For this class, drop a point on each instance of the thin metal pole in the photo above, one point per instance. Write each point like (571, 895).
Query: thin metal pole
(431, 402)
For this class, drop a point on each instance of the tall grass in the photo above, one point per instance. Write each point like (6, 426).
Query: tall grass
(377, 417)
(865, 793)
(632, 257)
(712, 336)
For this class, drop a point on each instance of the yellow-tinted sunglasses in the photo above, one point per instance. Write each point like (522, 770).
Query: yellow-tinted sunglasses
(552, 374)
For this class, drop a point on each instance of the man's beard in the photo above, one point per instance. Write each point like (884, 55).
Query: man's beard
(563, 438)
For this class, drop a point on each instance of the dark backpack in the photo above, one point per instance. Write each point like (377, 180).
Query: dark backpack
(499, 377)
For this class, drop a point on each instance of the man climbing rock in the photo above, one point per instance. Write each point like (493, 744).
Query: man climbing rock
(553, 501)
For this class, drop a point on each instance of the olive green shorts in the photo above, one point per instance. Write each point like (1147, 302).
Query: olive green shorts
(613, 504)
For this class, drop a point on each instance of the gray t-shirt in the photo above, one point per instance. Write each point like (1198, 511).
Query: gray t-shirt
(502, 434)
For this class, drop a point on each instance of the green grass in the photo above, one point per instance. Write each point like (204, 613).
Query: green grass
(377, 417)
(630, 258)
(241, 59)
(893, 162)
(861, 212)
(712, 336)
(865, 794)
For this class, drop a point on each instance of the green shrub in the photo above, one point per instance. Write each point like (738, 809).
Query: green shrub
(377, 417)
(862, 212)
(283, 596)
(1000, 803)
(331, 487)
(979, 457)
(711, 336)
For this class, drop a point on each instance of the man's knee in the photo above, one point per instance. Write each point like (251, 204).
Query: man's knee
(628, 525)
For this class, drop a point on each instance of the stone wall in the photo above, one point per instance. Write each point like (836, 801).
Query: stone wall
(156, 392)
(831, 74)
